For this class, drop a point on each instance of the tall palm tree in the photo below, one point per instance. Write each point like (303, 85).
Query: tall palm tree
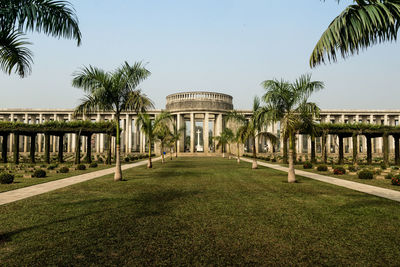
(52, 17)
(359, 26)
(223, 139)
(115, 91)
(150, 126)
(176, 135)
(240, 138)
(163, 135)
(253, 126)
(289, 104)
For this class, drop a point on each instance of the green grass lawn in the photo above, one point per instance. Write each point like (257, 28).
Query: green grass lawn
(200, 211)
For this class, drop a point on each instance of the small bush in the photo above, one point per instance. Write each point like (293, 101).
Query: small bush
(52, 166)
(6, 178)
(64, 170)
(394, 168)
(273, 160)
(93, 165)
(307, 165)
(339, 171)
(81, 167)
(366, 174)
(126, 159)
(39, 174)
(352, 168)
(383, 166)
(322, 168)
(396, 180)
(389, 176)
(100, 160)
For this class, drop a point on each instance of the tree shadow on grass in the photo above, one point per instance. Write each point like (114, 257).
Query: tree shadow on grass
(146, 203)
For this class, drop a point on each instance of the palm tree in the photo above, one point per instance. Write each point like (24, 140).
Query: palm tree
(176, 135)
(289, 104)
(224, 139)
(113, 91)
(253, 126)
(359, 26)
(163, 134)
(55, 18)
(240, 138)
(150, 127)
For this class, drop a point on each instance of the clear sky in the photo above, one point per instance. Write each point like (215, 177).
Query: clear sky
(228, 46)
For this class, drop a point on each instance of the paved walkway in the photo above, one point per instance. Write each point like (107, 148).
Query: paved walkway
(25, 192)
(369, 189)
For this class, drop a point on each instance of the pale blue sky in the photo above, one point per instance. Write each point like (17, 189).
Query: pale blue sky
(228, 46)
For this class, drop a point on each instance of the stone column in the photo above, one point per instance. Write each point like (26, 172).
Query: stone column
(179, 124)
(26, 137)
(40, 136)
(328, 136)
(55, 137)
(192, 133)
(12, 135)
(205, 132)
(98, 135)
(69, 136)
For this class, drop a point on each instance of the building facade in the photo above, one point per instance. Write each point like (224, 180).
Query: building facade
(200, 115)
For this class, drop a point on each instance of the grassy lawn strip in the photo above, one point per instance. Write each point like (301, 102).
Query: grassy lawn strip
(200, 211)
(20, 182)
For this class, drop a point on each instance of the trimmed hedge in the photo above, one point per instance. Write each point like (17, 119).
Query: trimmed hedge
(307, 165)
(366, 174)
(339, 171)
(322, 168)
(64, 170)
(6, 178)
(39, 174)
(81, 167)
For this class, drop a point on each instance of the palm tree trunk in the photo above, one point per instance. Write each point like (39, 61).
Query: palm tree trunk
(176, 149)
(229, 151)
(223, 150)
(285, 150)
(291, 174)
(149, 164)
(170, 152)
(254, 165)
(238, 153)
(118, 171)
(162, 154)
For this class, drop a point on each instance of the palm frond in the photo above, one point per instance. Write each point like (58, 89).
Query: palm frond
(358, 27)
(14, 54)
(54, 18)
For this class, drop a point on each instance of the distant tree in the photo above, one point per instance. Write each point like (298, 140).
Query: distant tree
(113, 91)
(223, 140)
(253, 125)
(55, 18)
(150, 127)
(163, 135)
(359, 26)
(176, 135)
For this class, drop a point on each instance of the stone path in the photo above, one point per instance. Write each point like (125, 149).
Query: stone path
(369, 189)
(22, 193)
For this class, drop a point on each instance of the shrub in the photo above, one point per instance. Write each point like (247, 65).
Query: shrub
(366, 174)
(126, 159)
(352, 168)
(81, 167)
(100, 160)
(64, 169)
(52, 166)
(396, 180)
(389, 176)
(383, 166)
(93, 165)
(307, 165)
(39, 174)
(395, 168)
(273, 160)
(339, 171)
(322, 168)
(6, 178)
